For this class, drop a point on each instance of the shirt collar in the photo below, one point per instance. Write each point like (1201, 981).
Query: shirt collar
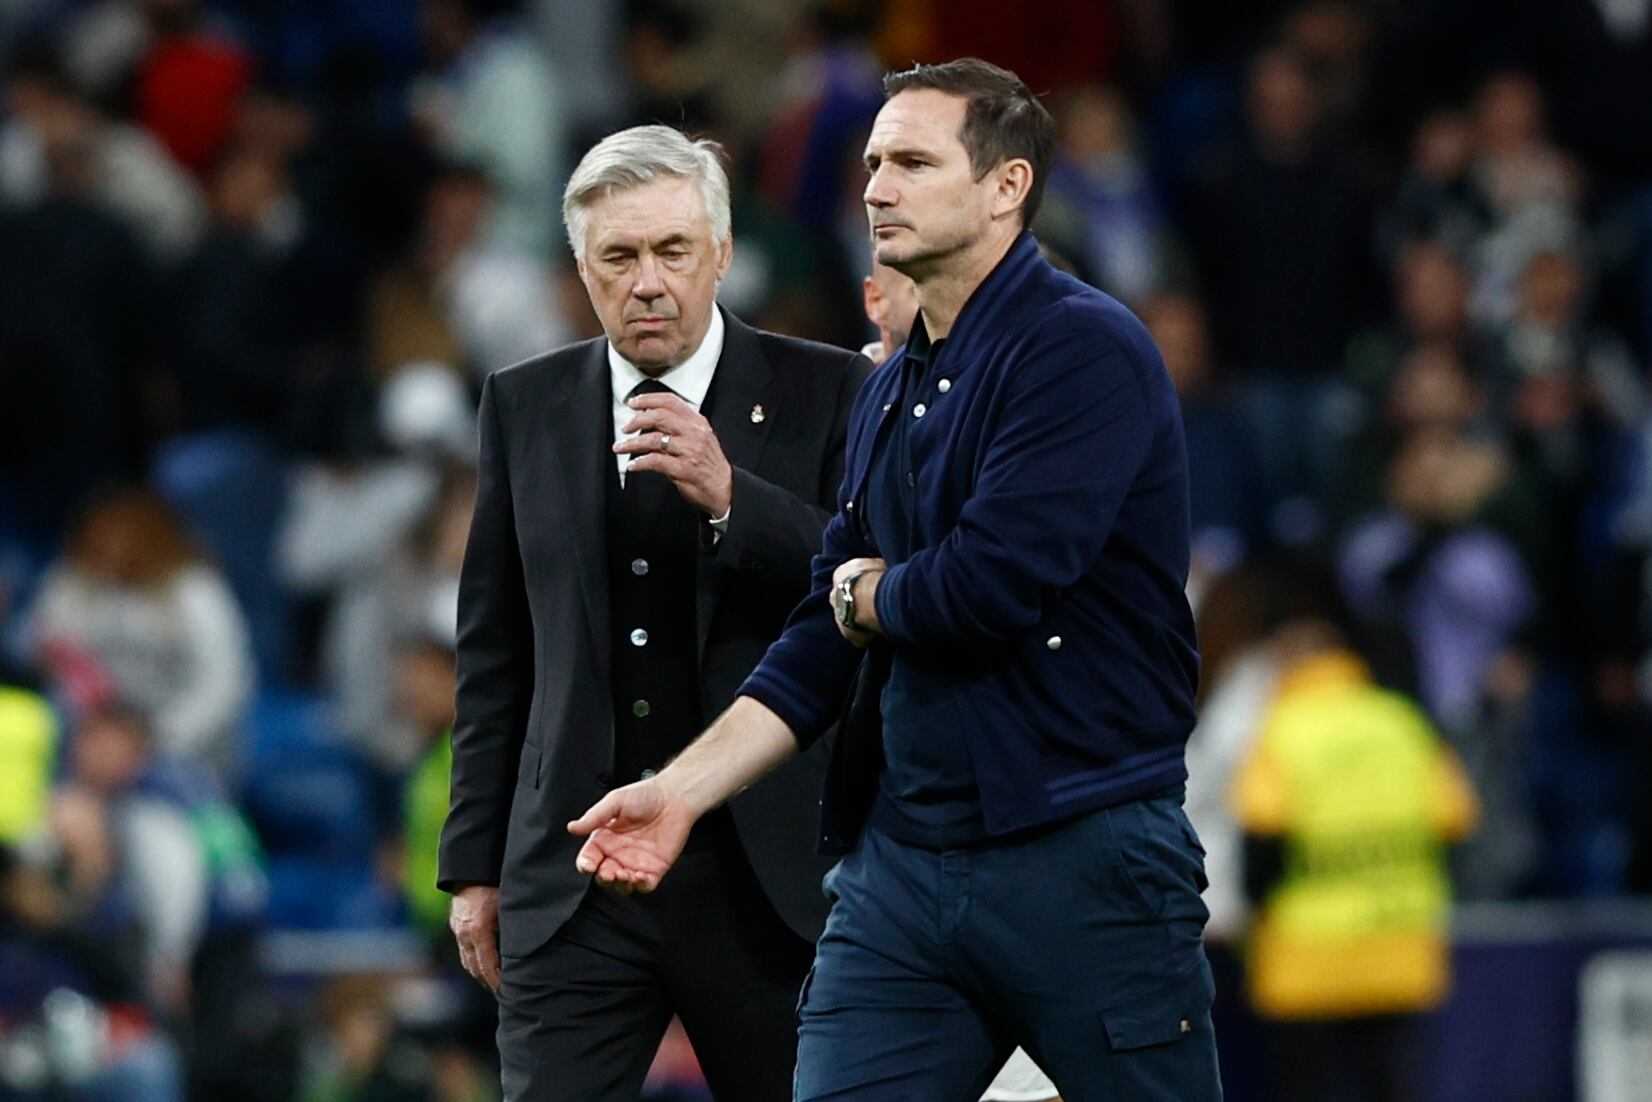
(689, 379)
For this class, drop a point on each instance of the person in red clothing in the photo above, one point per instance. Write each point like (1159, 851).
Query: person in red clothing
(190, 84)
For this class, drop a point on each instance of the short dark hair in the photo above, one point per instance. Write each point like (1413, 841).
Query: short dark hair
(1003, 120)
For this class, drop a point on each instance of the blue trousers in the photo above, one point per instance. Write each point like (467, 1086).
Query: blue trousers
(1082, 944)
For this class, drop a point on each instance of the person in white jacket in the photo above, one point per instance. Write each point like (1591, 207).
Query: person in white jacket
(131, 612)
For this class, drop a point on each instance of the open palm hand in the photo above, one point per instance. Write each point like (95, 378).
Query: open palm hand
(632, 836)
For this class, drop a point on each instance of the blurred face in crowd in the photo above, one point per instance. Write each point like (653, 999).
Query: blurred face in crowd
(110, 751)
(1432, 389)
(425, 686)
(1282, 102)
(1444, 147)
(891, 304)
(128, 540)
(446, 27)
(1432, 292)
(651, 268)
(247, 186)
(1550, 290)
(923, 200)
(1177, 323)
(1094, 124)
(1509, 115)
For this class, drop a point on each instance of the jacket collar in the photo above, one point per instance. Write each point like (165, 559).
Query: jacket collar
(988, 305)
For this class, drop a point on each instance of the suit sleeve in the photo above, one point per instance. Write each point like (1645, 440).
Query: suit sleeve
(806, 673)
(495, 673)
(773, 531)
(1073, 434)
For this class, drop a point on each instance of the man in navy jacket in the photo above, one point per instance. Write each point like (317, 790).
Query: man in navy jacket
(1005, 572)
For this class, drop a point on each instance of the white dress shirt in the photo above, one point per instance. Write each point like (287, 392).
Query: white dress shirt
(690, 380)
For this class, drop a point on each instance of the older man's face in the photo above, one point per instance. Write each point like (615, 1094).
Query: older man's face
(922, 200)
(651, 269)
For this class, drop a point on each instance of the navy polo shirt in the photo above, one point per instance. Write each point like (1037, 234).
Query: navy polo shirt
(927, 792)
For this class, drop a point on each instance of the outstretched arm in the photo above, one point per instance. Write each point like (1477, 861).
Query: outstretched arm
(634, 834)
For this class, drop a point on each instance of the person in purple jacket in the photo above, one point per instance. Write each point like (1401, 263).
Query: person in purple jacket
(999, 598)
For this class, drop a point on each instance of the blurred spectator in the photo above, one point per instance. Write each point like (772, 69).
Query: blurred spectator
(132, 613)
(385, 541)
(408, 320)
(1332, 37)
(28, 753)
(460, 297)
(151, 840)
(1051, 45)
(189, 82)
(198, 868)
(1549, 346)
(1455, 589)
(828, 92)
(1531, 188)
(1430, 289)
(891, 305)
(424, 698)
(1280, 228)
(1100, 208)
(1350, 801)
(234, 355)
(1438, 198)
(1282, 232)
(1225, 480)
(491, 100)
(670, 80)
(1431, 388)
(77, 339)
(76, 1026)
(360, 1057)
(133, 175)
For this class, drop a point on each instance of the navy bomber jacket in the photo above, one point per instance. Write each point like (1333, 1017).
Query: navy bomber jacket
(1042, 609)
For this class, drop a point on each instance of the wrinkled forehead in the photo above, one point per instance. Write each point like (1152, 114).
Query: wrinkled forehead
(659, 210)
(918, 120)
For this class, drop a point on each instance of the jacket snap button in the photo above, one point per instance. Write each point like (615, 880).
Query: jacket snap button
(1053, 642)
(944, 385)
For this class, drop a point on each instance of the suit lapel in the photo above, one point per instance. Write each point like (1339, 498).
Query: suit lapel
(580, 424)
(742, 406)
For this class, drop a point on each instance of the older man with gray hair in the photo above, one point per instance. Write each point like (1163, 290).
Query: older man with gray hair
(647, 506)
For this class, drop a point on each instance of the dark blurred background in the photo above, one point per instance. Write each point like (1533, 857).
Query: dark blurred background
(257, 256)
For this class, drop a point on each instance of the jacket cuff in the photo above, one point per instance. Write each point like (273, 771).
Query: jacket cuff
(891, 616)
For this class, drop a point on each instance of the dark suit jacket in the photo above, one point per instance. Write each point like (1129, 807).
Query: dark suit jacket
(533, 738)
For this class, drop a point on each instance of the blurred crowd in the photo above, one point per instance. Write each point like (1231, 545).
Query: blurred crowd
(255, 260)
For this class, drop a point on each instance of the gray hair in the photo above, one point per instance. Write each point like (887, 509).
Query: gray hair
(632, 157)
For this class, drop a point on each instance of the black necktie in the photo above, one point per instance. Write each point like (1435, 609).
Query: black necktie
(645, 488)
(649, 386)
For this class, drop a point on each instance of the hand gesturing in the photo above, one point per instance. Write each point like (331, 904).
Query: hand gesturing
(632, 836)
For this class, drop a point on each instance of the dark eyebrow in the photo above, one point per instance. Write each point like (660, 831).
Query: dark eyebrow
(897, 155)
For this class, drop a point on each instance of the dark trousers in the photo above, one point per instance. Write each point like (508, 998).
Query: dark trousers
(581, 1017)
(1081, 944)
(1352, 1060)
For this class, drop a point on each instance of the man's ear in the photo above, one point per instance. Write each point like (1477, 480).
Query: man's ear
(872, 297)
(1015, 177)
(725, 254)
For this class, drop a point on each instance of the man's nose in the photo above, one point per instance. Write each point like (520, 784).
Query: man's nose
(649, 284)
(878, 193)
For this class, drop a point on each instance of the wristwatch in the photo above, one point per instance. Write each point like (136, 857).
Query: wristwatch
(843, 599)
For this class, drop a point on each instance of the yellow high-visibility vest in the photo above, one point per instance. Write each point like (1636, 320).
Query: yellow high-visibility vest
(28, 743)
(1364, 797)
